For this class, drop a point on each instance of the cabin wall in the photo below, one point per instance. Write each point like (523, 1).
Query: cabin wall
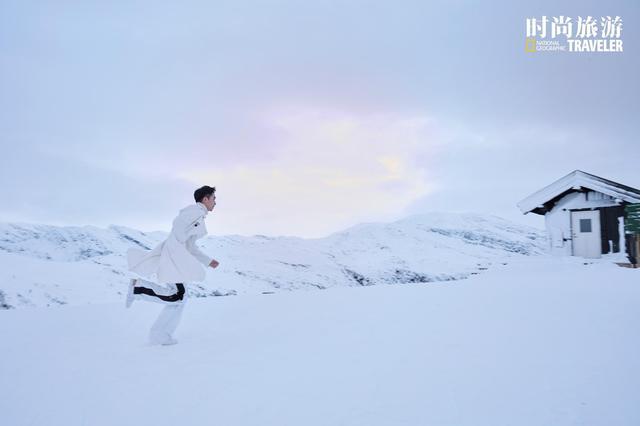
(558, 219)
(558, 224)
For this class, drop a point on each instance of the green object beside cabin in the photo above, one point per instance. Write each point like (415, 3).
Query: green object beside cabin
(632, 218)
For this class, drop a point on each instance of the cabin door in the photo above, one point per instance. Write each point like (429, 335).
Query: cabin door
(585, 233)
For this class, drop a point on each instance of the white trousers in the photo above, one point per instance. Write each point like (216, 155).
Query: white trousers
(173, 296)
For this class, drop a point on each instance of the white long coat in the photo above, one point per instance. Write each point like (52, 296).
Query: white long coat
(176, 259)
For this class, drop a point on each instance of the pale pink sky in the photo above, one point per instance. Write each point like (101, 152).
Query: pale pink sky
(307, 116)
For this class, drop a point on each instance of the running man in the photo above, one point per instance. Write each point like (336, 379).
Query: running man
(175, 261)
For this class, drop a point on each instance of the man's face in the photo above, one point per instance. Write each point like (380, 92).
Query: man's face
(209, 201)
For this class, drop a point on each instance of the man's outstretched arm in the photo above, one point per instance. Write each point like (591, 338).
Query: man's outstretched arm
(200, 255)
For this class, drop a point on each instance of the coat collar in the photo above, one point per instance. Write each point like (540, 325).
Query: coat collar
(203, 207)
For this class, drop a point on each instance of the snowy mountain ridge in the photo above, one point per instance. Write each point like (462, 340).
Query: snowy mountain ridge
(45, 265)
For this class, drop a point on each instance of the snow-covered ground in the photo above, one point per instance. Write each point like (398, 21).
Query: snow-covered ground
(44, 265)
(535, 341)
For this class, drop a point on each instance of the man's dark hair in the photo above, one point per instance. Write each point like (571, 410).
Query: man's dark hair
(205, 191)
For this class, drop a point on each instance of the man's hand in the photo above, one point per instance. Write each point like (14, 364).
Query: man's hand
(214, 263)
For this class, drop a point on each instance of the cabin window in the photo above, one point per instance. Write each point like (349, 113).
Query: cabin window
(585, 225)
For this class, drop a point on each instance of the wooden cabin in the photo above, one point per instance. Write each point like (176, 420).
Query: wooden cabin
(584, 214)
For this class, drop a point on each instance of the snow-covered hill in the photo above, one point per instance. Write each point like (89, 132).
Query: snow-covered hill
(44, 265)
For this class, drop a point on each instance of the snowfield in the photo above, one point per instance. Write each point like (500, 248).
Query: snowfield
(533, 341)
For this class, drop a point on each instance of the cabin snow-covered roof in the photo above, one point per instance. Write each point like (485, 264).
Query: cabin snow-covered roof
(543, 200)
